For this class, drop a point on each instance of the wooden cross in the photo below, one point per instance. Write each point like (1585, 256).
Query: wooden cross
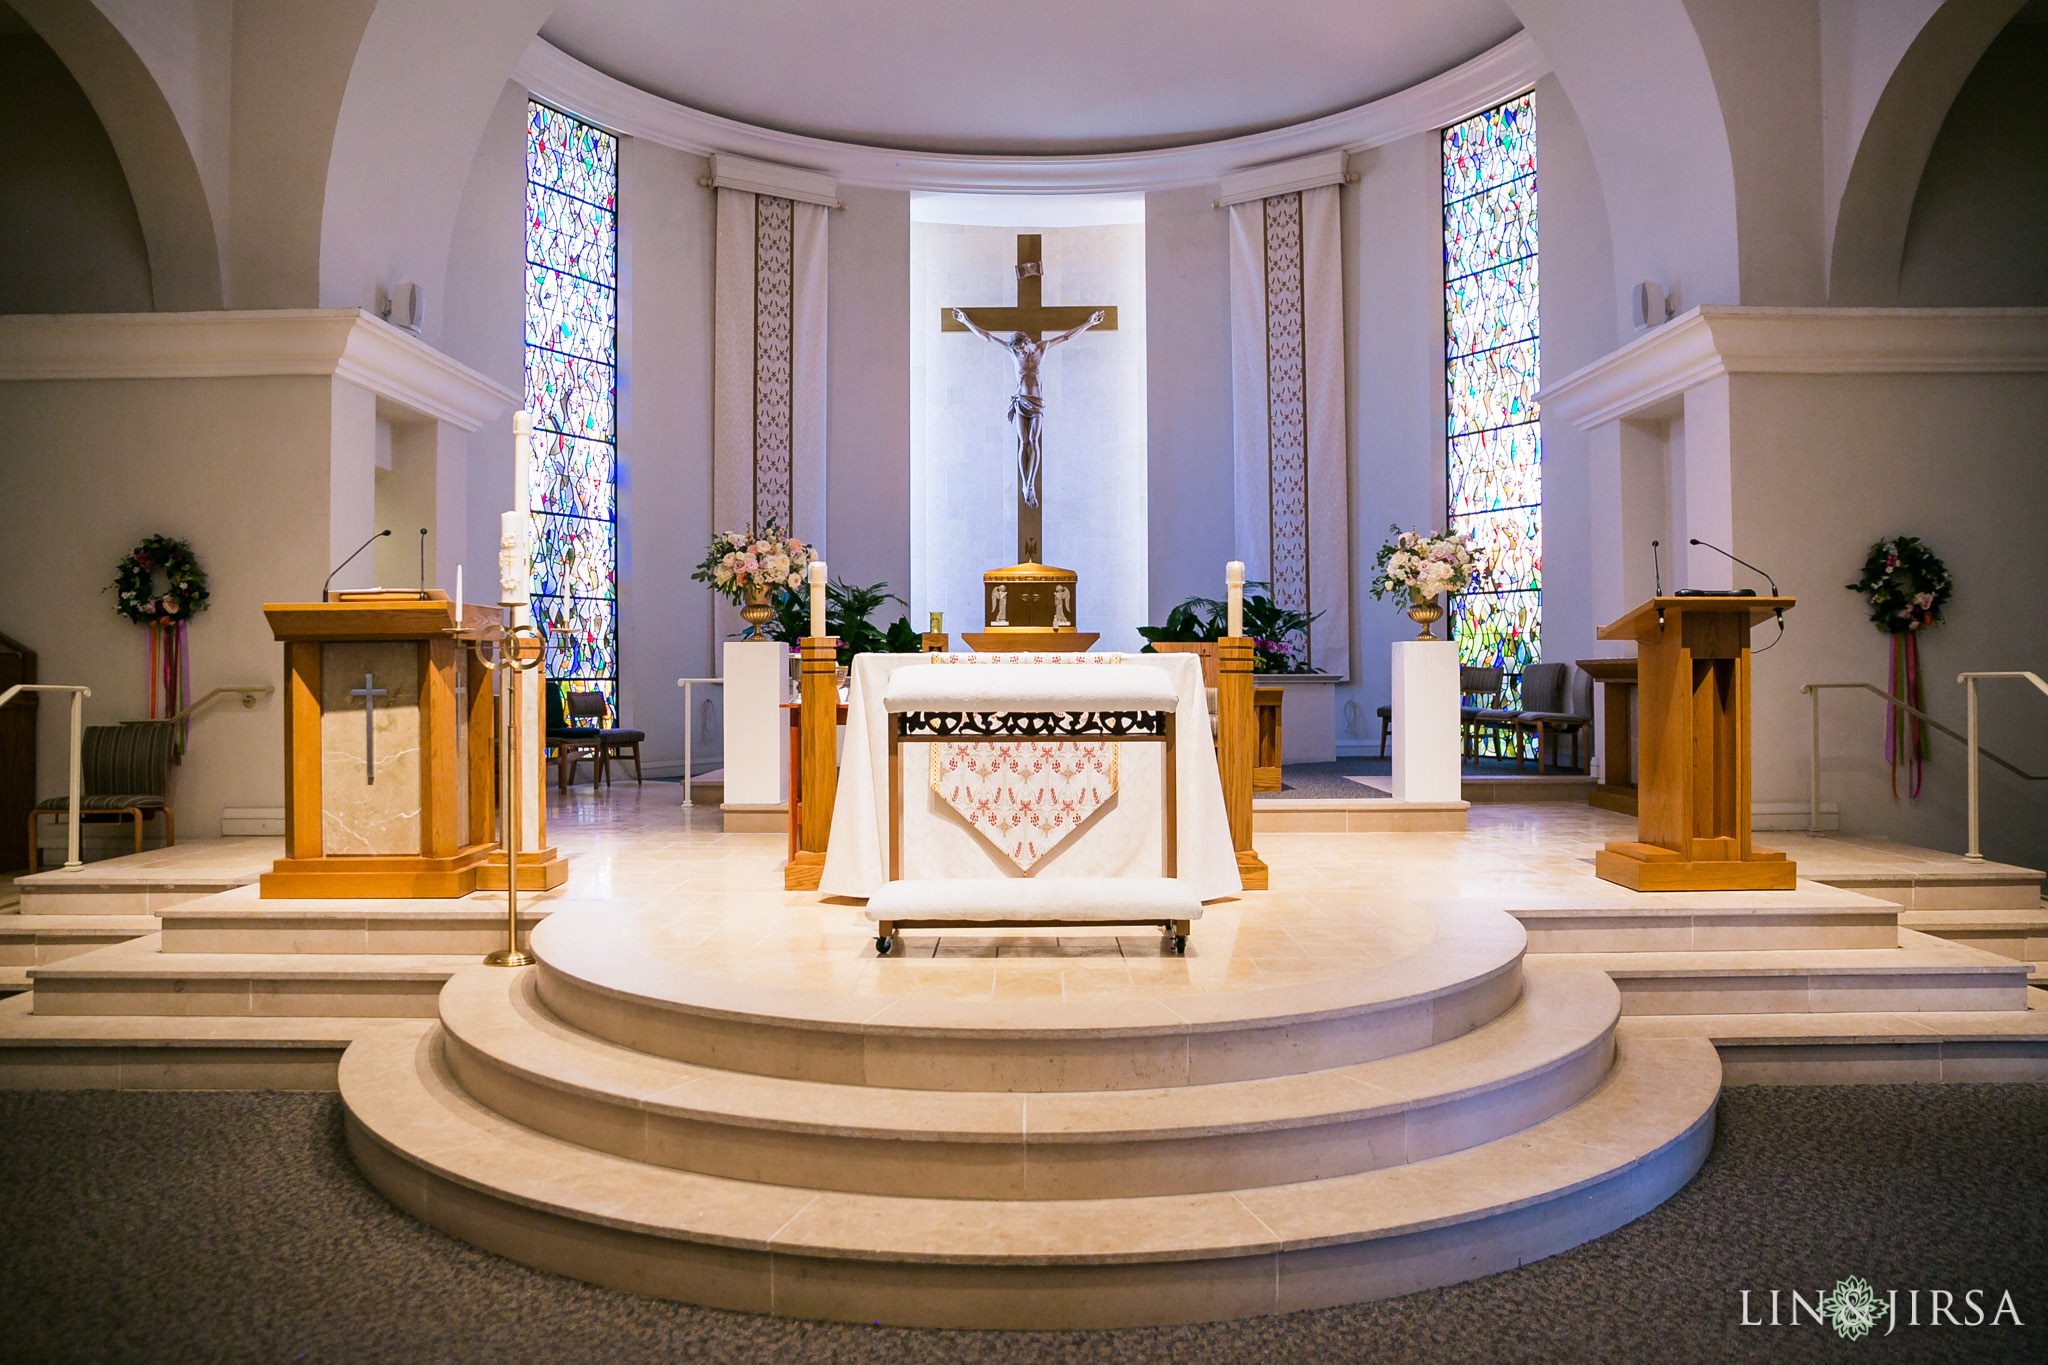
(369, 692)
(1034, 319)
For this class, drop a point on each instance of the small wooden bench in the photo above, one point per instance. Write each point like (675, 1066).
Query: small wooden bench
(1033, 903)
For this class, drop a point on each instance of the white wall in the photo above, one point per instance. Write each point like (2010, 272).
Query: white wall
(867, 432)
(1955, 460)
(240, 468)
(963, 453)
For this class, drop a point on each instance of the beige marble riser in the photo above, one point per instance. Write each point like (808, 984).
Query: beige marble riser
(111, 900)
(1922, 974)
(141, 1052)
(2018, 934)
(30, 941)
(1680, 932)
(1866, 1049)
(438, 1154)
(594, 976)
(1538, 1058)
(2006, 889)
(136, 978)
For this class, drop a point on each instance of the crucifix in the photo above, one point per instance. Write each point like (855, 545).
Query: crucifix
(369, 692)
(1021, 331)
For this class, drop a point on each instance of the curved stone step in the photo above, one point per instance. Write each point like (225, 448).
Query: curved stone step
(448, 1160)
(597, 974)
(1542, 1055)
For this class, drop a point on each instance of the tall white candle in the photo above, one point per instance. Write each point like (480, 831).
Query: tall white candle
(458, 597)
(522, 460)
(817, 598)
(1233, 583)
(512, 566)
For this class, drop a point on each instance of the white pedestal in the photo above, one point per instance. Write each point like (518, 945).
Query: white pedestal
(1426, 721)
(756, 727)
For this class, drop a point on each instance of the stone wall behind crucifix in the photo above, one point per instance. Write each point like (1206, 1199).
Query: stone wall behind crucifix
(962, 456)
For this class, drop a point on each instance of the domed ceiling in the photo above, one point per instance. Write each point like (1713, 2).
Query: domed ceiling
(1025, 76)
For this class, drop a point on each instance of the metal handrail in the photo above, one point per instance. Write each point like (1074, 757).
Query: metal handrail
(247, 694)
(689, 797)
(1969, 682)
(78, 695)
(1814, 690)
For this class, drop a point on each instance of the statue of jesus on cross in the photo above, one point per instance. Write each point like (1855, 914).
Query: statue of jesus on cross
(1021, 331)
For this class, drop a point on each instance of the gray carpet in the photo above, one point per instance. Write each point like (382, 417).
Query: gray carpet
(231, 1227)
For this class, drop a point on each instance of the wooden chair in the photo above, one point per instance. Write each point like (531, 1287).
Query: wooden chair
(569, 744)
(1556, 699)
(126, 773)
(1478, 700)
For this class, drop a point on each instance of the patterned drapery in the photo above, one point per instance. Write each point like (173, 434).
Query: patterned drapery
(768, 422)
(1287, 369)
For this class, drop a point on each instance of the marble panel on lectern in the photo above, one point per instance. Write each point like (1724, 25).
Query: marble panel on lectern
(359, 816)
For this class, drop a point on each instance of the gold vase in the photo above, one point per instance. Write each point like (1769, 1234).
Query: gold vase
(757, 612)
(1425, 614)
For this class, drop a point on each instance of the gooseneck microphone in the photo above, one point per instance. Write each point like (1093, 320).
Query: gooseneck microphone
(346, 562)
(1743, 562)
(1778, 612)
(423, 563)
(1657, 566)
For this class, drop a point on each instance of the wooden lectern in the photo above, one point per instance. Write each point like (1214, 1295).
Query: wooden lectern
(376, 803)
(1692, 750)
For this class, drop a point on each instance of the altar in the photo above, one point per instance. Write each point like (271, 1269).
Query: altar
(1120, 838)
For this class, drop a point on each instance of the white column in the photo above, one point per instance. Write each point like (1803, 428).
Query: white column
(756, 729)
(1426, 721)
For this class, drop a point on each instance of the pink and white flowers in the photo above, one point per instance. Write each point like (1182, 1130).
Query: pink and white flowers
(764, 557)
(1422, 566)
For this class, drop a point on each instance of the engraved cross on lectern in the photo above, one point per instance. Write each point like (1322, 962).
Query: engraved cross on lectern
(1021, 330)
(369, 692)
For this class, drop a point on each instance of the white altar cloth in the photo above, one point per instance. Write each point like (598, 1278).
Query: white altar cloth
(1119, 840)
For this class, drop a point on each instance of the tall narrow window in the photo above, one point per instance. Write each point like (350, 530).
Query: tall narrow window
(1494, 449)
(572, 315)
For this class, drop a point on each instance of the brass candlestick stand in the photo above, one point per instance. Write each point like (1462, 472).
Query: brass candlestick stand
(520, 651)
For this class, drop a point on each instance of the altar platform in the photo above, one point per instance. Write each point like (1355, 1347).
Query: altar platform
(1418, 1058)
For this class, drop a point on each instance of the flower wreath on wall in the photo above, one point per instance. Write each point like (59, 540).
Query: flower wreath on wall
(166, 611)
(1908, 586)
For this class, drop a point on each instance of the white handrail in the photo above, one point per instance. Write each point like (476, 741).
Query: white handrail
(689, 717)
(78, 696)
(1969, 682)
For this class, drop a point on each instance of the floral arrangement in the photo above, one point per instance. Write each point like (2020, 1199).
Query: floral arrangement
(1279, 635)
(1907, 585)
(765, 560)
(185, 592)
(1423, 566)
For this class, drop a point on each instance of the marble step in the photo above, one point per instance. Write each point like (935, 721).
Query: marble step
(31, 940)
(1542, 1055)
(461, 1167)
(608, 975)
(1922, 973)
(149, 882)
(2019, 934)
(240, 921)
(136, 977)
(1812, 916)
(1939, 882)
(157, 1052)
(1927, 1046)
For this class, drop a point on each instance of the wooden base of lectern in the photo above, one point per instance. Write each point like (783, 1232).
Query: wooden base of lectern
(540, 869)
(1251, 870)
(397, 877)
(1649, 867)
(803, 871)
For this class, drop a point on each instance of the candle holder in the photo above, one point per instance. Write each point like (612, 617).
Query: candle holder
(521, 647)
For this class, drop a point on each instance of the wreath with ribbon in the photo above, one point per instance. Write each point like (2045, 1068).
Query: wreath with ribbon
(135, 595)
(1908, 586)
(166, 613)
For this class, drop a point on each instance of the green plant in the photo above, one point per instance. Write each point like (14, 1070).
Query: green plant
(847, 609)
(1279, 634)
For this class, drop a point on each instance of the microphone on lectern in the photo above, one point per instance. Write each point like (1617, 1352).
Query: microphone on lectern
(1778, 612)
(423, 563)
(1657, 565)
(346, 562)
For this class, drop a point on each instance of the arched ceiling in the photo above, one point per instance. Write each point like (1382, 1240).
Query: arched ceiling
(1025, 76)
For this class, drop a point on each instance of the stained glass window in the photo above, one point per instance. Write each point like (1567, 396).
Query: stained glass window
(572, 316)
(1494, 447)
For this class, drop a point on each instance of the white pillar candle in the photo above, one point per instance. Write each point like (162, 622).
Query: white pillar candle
(522, 460)
(1233, 587)
(817, 598)
(512, 566)
(458, 597)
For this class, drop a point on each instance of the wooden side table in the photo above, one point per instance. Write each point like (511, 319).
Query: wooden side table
(1617, 789)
